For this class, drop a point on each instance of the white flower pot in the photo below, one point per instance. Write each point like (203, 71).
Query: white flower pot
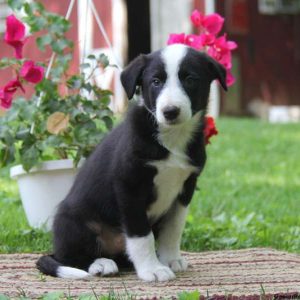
(43, 188)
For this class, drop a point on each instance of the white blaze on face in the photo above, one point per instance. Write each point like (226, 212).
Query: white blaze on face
(173, 93)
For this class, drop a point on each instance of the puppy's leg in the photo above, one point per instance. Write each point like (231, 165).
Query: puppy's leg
(169, 238)
(141, 251)
(169, 235)
(140, 244)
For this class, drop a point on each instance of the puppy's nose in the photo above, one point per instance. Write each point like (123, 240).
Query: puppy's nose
(171, 112)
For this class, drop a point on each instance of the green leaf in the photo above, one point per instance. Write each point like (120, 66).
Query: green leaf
(15, 4)
(103, 60)
(83, 132)
(92, 57)
(23, 134)
(36, 24)
(29, 157)
(43, 41)
(74, 83)
(53, 296)
(60, 45)
(8, 137)
(7, 155)
(108, 122)
(195, 295)
(28, 9)
(58, 25)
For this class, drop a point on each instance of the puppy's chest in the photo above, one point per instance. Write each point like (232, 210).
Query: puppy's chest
(168, 183)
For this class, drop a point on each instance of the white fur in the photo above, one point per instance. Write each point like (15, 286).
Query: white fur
(141, 251)
(176, 137)
(172, 172)
(171, 175)
(173, 93)
(103, 266)
(71, 273)
(169, 239)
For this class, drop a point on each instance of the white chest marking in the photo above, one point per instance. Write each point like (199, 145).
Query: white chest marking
(171, 175)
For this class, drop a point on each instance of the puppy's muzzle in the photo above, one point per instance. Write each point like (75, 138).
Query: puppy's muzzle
(171, 112)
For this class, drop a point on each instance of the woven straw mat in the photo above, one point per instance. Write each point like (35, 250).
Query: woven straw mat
(237, 274)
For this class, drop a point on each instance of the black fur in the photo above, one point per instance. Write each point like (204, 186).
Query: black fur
(114, 188)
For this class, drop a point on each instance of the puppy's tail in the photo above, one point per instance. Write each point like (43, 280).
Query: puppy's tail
(49, 266)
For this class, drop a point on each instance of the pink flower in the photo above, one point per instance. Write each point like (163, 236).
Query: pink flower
(176, 38)
(31, 72)
(8, 91)
(193, 41)
(221, 51)
(223, 44)
(221, 56)
(196, 18)
(213, 23)
(230, 80)
(207, 39)
(14, 35)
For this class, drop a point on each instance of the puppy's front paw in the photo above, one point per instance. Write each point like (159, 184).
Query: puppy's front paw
(103, 266)
(177, 265)
(156, 273)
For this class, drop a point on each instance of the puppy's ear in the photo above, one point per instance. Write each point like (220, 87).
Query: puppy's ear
(132, 75)
(218, 72)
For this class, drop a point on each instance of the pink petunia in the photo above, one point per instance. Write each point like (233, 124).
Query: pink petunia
(31, 72)
(193, 41)
(212, 23)
(176, 38)
(196, 18)
(14, 35)
(8, 91)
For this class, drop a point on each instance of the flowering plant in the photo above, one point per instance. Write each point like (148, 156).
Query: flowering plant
(218, 47)
(27, 72)
(65, 123)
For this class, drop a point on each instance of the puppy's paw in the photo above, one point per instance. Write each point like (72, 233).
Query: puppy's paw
(103, 266)
(156, 273)
(177, 265)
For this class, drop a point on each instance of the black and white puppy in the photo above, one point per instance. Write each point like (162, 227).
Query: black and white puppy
(133, 192)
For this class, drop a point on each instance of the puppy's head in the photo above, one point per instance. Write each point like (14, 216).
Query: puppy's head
(175, 82)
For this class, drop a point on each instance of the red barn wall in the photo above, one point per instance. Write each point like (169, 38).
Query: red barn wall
(31, 51)
(269, 53)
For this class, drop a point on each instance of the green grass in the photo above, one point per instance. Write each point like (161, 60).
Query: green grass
(249, 194)
(15, 234)
(250, 189)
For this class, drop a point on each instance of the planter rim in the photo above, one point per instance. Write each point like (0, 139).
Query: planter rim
(60, 164)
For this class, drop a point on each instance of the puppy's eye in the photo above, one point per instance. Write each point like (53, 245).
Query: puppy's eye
(190, 81)
(156, 82)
